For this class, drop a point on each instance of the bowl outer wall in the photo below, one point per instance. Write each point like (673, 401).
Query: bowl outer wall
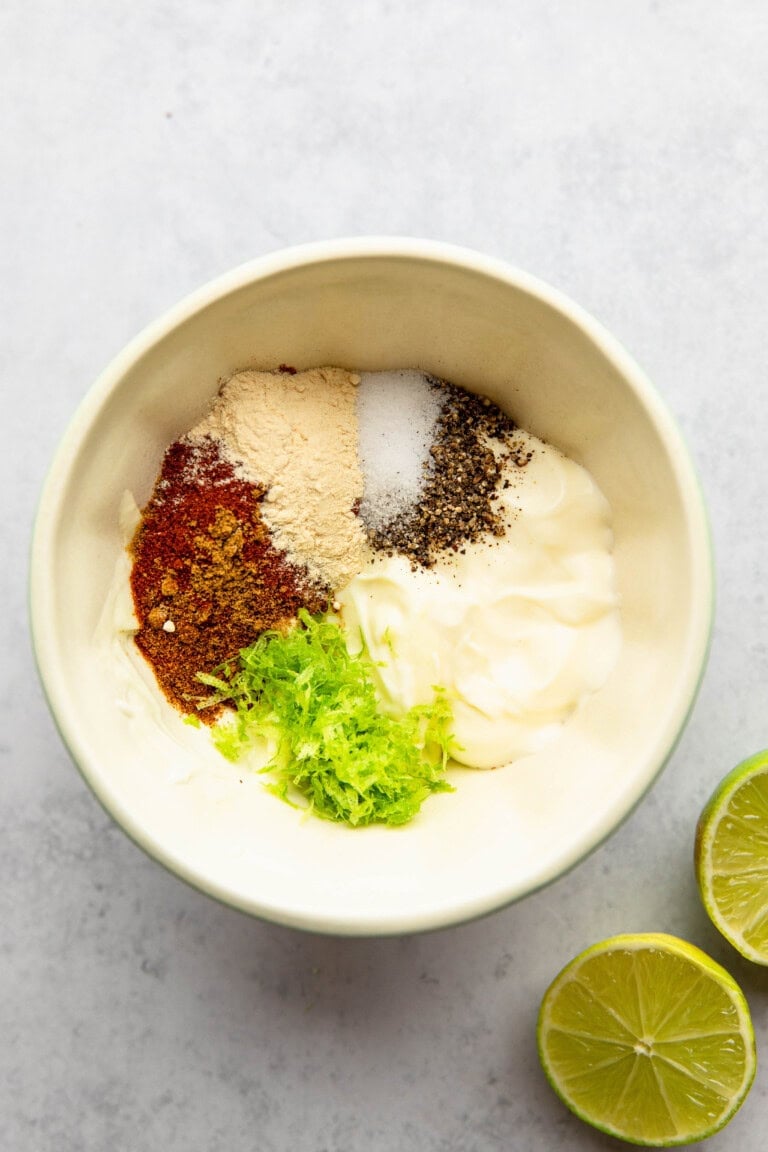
(42, 594)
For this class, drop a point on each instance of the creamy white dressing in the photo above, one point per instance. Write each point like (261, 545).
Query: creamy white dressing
(517, 630)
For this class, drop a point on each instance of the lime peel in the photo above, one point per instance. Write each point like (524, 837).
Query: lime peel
(337, 752)
(731, 857)
(648, 1039)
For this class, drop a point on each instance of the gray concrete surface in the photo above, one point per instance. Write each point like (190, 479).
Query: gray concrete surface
(618, 150)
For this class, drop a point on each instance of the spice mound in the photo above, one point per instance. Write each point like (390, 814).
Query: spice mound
(372, 572)
(206, 578)
(296, 434)
(472, 443)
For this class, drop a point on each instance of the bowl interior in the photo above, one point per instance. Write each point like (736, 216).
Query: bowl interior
(503, 833)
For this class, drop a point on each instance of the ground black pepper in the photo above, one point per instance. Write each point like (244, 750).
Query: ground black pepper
(462, 481)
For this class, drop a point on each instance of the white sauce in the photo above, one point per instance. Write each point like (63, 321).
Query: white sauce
(517, 631)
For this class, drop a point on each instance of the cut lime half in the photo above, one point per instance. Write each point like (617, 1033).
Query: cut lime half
(648, 1039)
(731, 857)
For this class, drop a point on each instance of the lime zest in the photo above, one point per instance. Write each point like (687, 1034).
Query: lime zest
(388, 639)
(337, 753)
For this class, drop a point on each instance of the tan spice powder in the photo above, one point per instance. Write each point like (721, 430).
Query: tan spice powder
(296, 434)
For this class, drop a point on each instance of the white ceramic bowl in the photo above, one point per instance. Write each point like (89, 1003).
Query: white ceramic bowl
(372, 304)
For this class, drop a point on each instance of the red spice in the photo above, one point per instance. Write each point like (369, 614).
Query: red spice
(206, 579)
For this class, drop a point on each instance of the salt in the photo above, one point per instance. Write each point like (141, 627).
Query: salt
(397, 413)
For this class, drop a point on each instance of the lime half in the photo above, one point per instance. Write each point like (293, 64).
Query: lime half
(731, 857)
(648, 1039)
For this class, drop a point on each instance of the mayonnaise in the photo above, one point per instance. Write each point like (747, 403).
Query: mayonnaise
(517, 630)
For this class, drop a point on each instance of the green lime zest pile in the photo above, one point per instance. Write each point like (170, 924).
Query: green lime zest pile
(337, 753)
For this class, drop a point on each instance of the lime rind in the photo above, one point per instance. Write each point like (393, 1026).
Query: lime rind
(704, 1058)
(731, 858)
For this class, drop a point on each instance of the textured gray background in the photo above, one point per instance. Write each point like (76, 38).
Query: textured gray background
(616, 149)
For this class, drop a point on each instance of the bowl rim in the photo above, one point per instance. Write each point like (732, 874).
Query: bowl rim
(41, 596)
